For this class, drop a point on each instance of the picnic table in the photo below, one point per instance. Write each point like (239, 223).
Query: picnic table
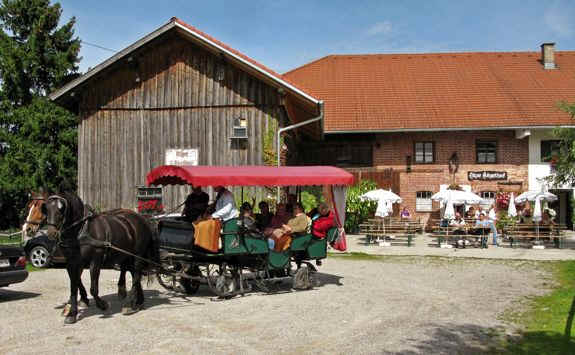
(446, 235)
(398, 231)
(535, 234)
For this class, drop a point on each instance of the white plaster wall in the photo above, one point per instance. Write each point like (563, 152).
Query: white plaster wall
(537, 169)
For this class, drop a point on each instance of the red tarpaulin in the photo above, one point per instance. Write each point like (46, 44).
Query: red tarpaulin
(248, 175)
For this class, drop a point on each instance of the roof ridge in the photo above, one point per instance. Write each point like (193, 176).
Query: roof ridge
(430, 54)
(308, 64)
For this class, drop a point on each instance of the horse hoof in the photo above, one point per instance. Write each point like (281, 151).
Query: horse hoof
(66, 310)
(70, 320)
(103, 305)
(83, 304)
(129, 310)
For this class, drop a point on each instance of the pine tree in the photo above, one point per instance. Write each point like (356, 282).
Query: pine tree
(37, 138)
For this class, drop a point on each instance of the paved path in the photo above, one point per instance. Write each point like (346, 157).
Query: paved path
(425, 245)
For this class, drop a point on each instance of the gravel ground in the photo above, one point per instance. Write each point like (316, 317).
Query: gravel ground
(400, 306)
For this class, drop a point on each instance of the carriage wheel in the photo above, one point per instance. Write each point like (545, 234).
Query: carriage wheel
(221, 280)
(191, 286)
(166, 279)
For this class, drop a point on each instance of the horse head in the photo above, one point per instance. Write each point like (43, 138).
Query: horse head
(61, 211)
(34, 217)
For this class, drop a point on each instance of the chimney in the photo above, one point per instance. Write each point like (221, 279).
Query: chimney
(548, 55)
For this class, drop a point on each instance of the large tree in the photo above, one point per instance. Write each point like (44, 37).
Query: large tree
(37, 138)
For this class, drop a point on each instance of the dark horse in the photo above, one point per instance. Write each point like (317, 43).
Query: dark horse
(85, 239)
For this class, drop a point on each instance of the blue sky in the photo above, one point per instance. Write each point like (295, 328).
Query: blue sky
(285, 34)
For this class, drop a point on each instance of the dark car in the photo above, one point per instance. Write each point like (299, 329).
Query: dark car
(43, 251)
(12, 265)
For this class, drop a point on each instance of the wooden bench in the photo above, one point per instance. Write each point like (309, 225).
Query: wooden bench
(449, 233)
(396, 231)
(530, 233)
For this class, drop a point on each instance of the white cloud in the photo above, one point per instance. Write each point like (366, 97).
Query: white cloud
(379, 28)
(559, 21)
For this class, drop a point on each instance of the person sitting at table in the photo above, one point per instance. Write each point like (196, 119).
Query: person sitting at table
(526, 214)
(404, 215)
(459, 227)
(481, 225)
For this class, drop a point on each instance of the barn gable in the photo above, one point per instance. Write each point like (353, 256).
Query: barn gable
(172, 92)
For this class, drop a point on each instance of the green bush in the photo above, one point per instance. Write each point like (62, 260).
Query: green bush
(357, 211)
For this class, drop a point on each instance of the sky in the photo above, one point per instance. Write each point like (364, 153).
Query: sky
(285, 34)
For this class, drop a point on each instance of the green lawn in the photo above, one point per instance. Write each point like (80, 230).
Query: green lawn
(544, 320)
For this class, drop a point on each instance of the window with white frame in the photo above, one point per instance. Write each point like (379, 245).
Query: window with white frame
(423, 201)
(424, 152)
(488, 197)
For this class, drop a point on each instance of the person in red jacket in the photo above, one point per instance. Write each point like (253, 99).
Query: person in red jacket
(323, 222)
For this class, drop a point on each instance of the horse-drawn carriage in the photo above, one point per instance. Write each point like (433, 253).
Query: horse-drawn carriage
(127, 239)
(244, 254)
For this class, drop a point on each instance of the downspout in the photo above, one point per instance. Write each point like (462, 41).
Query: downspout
(294, 126)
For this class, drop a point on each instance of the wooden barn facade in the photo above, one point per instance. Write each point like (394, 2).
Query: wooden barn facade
(178, 89)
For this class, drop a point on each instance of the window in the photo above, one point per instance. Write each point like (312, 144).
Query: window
(549, 149)
(486, 151)
(488, 196)
(424, 152)
(423, 201)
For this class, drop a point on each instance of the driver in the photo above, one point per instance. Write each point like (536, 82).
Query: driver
(196, 204)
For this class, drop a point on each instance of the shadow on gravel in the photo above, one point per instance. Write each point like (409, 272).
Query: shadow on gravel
(473, 339)
(328, 279)
(9, 295)
(455, 339)
(153, 299)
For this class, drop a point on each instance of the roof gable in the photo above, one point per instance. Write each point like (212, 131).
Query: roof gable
(439, 91)
(202, 38)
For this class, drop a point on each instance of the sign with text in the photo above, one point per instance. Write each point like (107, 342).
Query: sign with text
(181, 157)
(487, 175)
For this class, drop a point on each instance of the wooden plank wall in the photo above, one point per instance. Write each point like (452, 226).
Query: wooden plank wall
(167, 97)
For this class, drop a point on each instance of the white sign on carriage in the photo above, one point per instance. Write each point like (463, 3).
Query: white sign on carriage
(181, 157)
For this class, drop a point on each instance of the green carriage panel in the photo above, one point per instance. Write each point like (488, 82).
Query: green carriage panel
(278, 259)
(317, 248)
(332, 234)
(300, 242)
(234, 243)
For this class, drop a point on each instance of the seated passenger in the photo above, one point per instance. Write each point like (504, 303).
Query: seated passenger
(299, 223)
(324, 221)
(246, 218)
(264, 218)
(195, 205)
(225, 206)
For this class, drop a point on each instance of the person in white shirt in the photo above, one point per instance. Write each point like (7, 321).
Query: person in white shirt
(225, 205)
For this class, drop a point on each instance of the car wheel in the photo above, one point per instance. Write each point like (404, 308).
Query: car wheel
(39, 256)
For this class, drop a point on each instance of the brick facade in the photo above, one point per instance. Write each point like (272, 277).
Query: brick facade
(391, 151)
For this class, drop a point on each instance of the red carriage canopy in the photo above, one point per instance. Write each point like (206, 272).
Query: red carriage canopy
(249, 175)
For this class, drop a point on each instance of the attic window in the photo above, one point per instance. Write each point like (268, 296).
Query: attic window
(220, 72)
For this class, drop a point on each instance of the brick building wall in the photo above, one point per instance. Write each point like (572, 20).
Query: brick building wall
(393, 149)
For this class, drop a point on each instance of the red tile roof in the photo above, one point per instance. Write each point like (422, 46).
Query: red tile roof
(439, 90)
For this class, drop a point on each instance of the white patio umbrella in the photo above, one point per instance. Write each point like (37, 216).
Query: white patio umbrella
(533, 195)
(511, 210)
(457, 197)
(449, 212)
(537, 213)
(385, 200)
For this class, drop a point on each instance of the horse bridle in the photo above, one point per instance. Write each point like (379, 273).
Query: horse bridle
(61, 224)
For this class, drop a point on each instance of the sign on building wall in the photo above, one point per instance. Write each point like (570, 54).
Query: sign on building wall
(181, 157)
(487, 175)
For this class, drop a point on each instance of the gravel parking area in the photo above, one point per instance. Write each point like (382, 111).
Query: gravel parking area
(409, 305)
